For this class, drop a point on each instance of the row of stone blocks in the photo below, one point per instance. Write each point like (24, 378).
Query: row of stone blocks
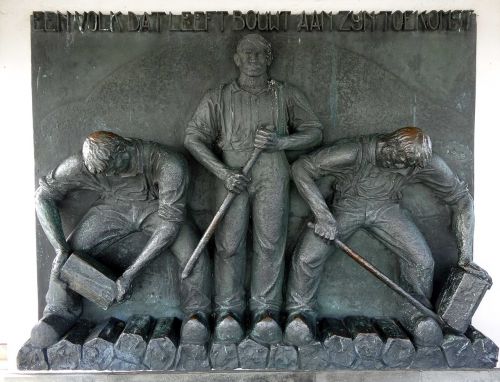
(144, 343)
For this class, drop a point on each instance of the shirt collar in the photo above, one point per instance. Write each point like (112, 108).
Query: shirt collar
(235, 87)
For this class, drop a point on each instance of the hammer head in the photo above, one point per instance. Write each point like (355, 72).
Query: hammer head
(463, 291)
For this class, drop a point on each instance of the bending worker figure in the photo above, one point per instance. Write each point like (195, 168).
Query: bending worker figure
(142, 187)
(369, 173)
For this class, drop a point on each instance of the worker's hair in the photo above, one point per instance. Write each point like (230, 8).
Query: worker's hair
(413, 142)
(99, 147)
(259, 41)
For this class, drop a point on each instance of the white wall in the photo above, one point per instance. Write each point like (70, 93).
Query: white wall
(18, 297)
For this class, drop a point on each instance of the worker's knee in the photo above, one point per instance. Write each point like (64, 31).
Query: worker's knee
(424, 259)
(429, 264)
(229, 248)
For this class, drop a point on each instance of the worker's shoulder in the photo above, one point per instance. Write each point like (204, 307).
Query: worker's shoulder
(161, 153)
(346, 149)
(349, 143)
(437, 165)
(215, 93)
(72, 165)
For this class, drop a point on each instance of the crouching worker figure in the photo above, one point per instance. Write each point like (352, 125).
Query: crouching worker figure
(369, 174)
(142, 187)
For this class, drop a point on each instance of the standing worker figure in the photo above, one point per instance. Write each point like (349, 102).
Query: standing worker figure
(142, 187)
(229, 123)
(369, 174)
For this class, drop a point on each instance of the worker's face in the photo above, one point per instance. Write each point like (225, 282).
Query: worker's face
(251, 59)
(118, 164)
(394, 157)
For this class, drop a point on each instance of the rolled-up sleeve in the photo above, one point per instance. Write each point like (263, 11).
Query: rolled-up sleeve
(70, 175)
(336, 160)
(205, 119)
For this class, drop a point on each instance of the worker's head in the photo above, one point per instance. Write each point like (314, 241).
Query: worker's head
(253, 55)
(406, 147)
(106, 153)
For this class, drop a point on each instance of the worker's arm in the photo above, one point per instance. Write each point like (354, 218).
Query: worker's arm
(324, 162)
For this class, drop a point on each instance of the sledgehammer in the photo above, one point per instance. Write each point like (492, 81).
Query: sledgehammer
(386, 280)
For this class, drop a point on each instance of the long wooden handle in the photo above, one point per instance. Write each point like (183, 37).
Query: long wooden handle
(217, 218)
(387, 281)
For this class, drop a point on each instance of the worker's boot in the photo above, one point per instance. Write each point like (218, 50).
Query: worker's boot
(50, 329)
(300, 330)
(424, 330)
(195, 329)
(228, 329)
(266, 328)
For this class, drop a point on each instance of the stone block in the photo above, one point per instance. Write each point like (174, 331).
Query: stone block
(98, 349)
(66, 354)
(485, 350)
(252, 355)
(398, 350)
(367, 342)
(283, 357)
(337, 342)
(31, 357)
(132, 342)
(429, 357)
(162, 346)
(457, 350)
(223, 356)
(192, 357)
(313, 356)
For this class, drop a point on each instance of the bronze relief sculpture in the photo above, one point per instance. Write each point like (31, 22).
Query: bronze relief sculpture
(244, 301)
